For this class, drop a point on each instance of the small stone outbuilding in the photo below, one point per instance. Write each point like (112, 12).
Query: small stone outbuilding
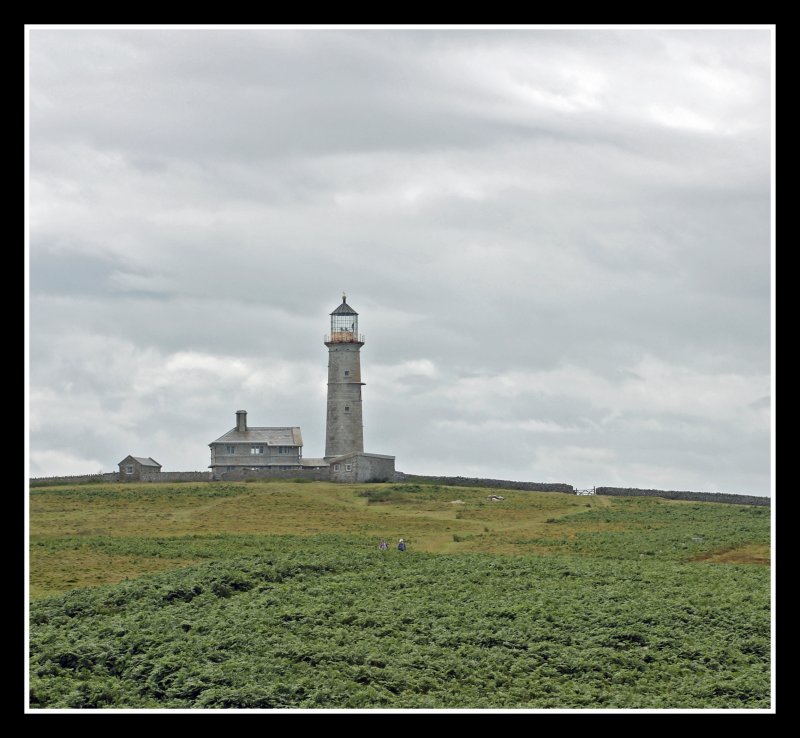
(361, 467)
(131, 468)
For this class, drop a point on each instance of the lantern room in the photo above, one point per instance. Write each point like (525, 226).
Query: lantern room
(344, 325)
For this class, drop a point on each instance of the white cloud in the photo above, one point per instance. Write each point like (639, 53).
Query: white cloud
(43, 462)
(491, 426)
(649, 386)
(681, 118)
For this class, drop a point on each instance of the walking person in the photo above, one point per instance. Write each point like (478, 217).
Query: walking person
(383, 545)
(402, 545)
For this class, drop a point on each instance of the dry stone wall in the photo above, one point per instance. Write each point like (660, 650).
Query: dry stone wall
(478, 482)
(685, 495)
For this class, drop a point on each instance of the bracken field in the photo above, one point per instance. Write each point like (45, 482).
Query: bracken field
(275, 595)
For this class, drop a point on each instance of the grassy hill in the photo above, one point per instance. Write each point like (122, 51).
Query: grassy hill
(274, 594)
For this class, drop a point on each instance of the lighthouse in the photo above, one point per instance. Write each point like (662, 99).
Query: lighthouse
(344, 429)
(246, 451)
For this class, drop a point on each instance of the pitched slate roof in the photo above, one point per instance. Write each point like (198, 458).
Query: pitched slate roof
(144, 461)
(270, 436)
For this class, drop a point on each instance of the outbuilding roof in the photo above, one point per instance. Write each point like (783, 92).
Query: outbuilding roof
(270, 436)
(332, 459)
(144, 461)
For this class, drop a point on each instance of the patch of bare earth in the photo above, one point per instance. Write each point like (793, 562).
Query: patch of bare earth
(751, 554)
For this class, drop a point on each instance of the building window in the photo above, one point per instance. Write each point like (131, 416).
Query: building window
(230, 449)
(129, 469)
(347, 408)
(229, 468)
(336, 467)
(346, 372)
(284, 449)
(348, 467)
(256, 449)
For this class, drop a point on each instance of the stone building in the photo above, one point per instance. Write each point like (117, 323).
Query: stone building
(278, 452)
(254, 449)
(131, 468)
(361, 467)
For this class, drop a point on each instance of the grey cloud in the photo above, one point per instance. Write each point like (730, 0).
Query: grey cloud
(493, 202)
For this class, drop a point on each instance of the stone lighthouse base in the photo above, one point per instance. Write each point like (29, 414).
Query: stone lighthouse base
(359, 466)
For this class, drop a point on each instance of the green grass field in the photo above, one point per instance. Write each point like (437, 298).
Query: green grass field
(274, 594)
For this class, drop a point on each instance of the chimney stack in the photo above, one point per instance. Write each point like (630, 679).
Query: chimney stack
(241, 420)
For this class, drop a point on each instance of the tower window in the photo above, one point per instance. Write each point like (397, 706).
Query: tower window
(346, 372)
(347, 408)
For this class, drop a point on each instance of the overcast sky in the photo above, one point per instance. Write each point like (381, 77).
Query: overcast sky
(558, 242)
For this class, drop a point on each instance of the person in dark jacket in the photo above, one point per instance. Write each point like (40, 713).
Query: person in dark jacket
(402, 545)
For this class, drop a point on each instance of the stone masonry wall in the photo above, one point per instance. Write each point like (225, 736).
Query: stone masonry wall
(319, 475)
(477, 482)
(684, 495)
(363, 468)
(187, 476)
(190, 476)
(74, 479)
(344, 431)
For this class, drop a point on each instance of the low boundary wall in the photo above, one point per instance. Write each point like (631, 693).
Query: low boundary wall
(685, 495)
(479, 482)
